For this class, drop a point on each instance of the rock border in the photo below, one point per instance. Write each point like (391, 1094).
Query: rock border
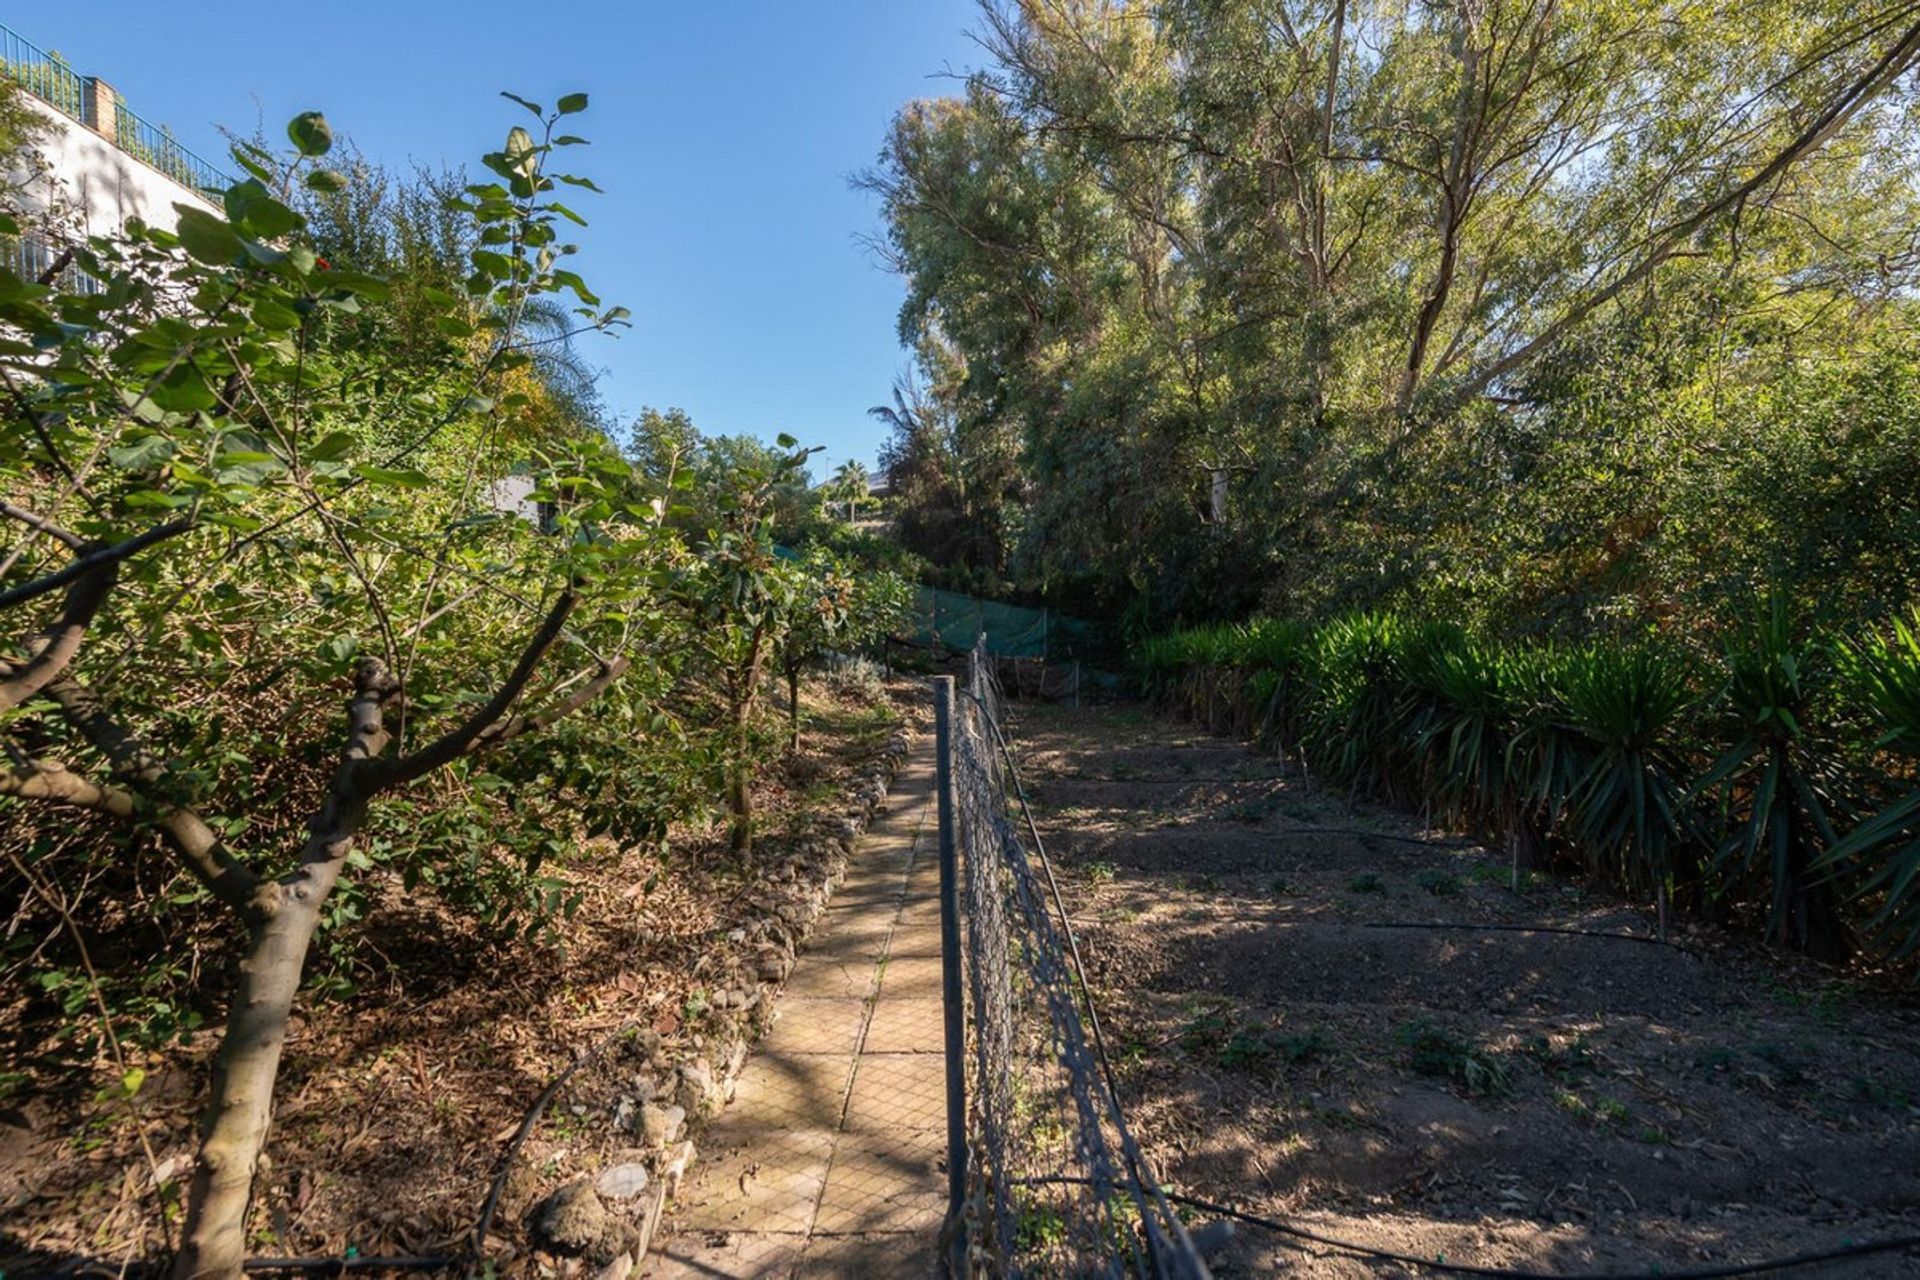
(668, 1095)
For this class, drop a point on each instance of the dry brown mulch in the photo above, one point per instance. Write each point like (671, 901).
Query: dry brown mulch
(394, 1106)
(1543, 1101)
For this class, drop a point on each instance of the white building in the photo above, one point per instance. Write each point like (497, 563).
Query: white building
(99, 163)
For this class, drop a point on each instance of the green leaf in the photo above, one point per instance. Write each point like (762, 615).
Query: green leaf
(567, 213)
(572, 104)
(334, 444)
(571, 280)
(142, 454)
(372, 288)
(574, 180)
(268, 218)
(311, 134)
(405, 478)
(538, 110)
(329, 181)
(206, 237)
(275, 316)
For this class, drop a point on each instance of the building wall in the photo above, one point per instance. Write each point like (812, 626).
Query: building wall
(99, 182)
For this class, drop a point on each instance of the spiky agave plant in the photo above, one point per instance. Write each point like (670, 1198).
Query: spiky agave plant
(1626, 811)
(1777, 785)
(1881, 856)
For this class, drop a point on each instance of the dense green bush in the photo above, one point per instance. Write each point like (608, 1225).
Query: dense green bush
(1725, 784)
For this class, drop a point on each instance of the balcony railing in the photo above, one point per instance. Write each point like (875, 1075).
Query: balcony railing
(48, 77)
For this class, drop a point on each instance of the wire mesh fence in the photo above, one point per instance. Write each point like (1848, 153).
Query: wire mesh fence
(1057, 1185)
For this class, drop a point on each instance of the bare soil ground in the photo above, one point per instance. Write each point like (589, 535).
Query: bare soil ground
(395, 1105)
(1514, 1099)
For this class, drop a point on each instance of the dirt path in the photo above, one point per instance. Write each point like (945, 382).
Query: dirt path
(1515, 1099)
(830, 1159)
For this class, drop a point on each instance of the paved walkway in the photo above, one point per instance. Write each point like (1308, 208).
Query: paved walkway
(831, 1159)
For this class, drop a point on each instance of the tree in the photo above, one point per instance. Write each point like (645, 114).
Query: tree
(850, 485)
(211, 429)
(741, 597)
(1241, 286)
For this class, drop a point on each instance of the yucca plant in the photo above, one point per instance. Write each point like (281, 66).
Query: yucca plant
(1626, 810)
(1353, 713)
(1777, 786)
(1462, 720)
(1882, 855)
(1276, 654)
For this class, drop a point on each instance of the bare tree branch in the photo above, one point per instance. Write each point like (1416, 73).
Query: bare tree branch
(100, 558)
(469, 733)
(49, 654)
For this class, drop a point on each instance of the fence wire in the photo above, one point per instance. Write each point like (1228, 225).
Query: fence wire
(1058, 1186)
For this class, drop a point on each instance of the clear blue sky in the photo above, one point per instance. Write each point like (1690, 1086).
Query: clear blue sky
(723, 132)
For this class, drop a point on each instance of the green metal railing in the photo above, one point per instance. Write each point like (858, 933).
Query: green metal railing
(48, 77)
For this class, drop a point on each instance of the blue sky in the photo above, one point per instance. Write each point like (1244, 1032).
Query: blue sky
(723, 132)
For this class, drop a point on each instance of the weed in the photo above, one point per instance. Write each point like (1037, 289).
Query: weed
(1610, 1111)
(1790, 1063)
(1281, 887)
(1440, 884)
(1100, 872)
(1251, 812)
(1435, 1051)
(1563, 1060)
(1366, 882)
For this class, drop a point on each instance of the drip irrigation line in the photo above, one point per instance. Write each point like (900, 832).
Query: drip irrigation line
(527, 1123)
(1532, 928)
(342, 1266)
(1845, 1252)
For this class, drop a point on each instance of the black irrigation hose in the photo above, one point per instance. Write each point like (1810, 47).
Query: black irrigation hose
(1531, 928)
(1838, 1253)
(341, 1266)
(527, 1123)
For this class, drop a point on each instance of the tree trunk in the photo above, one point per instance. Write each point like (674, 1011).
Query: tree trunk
(234, 1131)
(739, 783)
(793, 710)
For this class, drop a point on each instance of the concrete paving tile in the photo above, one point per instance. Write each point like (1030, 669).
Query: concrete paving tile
(848, 937)
(831, 976)
(815, 1025)
(765, 1181)
(871, 1257)
(921, 939)
(898, 1092)
(885, 1182)
(914, 977)
(797, 1091)
(737, 1254)
(904, 1025)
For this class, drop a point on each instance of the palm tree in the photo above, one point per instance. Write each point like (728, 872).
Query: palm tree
(849, 485)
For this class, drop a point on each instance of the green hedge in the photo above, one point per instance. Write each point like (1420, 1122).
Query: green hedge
(1773, 780)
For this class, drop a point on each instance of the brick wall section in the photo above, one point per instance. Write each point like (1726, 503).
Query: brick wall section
(97, 109)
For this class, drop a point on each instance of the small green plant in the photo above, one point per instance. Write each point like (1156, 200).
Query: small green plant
(1250, 812)
(1441, 884)
(1366, 882)
(1564, 1060)
(1100, 872)
(1434, 1051)
(1281, 887)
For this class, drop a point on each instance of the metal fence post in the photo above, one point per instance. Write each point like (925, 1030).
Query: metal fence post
(950, 988)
